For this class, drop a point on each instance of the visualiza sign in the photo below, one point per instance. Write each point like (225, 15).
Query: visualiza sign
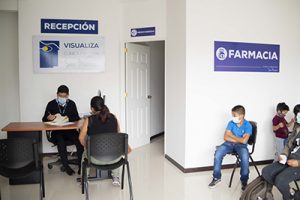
(69, 26)
(247, 57)
(53, 54)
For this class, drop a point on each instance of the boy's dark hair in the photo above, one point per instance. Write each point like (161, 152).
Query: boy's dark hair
(63, 89)
(239, 109)
(282, 106)
(296, 109)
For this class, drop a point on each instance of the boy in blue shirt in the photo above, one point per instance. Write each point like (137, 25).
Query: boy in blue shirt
(236, 138)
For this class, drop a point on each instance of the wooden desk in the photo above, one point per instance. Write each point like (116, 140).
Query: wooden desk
(38, 126)
(33, 130)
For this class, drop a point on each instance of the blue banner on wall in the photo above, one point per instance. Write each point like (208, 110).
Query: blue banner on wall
(246, 57)
(69, 26)
(146, 31)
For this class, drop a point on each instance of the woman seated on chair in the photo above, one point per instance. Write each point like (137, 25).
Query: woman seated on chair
(287, 169)
(101, 121)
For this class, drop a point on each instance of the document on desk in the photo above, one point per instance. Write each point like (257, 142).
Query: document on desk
(59, 124)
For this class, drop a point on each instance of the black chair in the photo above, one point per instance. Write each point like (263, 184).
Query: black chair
(58, 161)
(106, 147)
(251, 142)
(20, 157)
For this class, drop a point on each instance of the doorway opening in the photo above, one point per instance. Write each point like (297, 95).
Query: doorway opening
(145, 92)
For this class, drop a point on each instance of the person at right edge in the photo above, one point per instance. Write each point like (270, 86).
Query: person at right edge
(287, 169)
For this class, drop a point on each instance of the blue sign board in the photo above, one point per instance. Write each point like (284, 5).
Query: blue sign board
(246, 57)
(69, 26)
(138, 32)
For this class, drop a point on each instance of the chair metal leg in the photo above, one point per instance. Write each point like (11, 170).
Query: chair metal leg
(254, 165)
(82, 176)
(86, 186)
(233, 171)
(129, 181)
(43, 181)
(85, 181)
(122, 181)
(297, 186)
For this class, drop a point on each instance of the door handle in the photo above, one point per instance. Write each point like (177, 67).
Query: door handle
(149, 97)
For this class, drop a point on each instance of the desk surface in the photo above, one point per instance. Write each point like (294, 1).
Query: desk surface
(39, 126)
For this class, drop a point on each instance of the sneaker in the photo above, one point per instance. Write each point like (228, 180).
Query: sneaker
(116, 181)
(214, 182)
(69, 171)
(244, 185)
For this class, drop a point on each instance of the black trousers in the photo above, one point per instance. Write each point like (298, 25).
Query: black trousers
(62, 138)
(280, 176)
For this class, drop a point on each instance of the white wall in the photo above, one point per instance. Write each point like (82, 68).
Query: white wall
(157, 87)
(9, 72)
(175, 83)
(9, 5)
(211, 95)
(41, 88)
(143, 13)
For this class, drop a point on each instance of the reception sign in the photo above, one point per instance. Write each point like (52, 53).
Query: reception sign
(246, 57)
(53, 54)
(69, 26)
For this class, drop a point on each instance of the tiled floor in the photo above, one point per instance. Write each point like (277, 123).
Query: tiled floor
(153, 177)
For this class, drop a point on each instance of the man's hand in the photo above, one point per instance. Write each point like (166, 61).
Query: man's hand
(293, 163)
(51, 117)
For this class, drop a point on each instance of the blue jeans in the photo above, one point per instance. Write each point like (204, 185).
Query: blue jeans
(229, 147)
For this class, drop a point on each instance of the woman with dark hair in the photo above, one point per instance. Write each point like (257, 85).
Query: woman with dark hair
(101, 121)
(287, 169)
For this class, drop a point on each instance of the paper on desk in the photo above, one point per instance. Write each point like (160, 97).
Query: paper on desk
(59, 124)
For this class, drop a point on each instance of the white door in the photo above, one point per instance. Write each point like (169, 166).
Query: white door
(138, 97)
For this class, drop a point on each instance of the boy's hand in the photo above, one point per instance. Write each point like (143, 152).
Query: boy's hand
(245, 139)
(292, 120)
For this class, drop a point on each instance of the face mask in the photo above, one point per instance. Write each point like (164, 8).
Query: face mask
(281, 115)
(298, 118)
(236, 120)
(61, 100)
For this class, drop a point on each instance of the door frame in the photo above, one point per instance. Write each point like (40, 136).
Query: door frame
(123, 119)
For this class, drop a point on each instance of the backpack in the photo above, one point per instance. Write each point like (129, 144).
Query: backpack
(257, 190)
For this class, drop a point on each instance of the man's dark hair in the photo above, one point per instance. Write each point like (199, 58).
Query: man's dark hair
(63, 89)
(239, 109)
(296, 109)
(282, 106)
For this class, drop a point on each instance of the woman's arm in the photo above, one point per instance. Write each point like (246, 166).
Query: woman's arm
(83, 132)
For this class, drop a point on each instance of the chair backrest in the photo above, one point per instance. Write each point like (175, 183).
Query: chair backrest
(107, 146)
(252, 139)
(18, 152)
